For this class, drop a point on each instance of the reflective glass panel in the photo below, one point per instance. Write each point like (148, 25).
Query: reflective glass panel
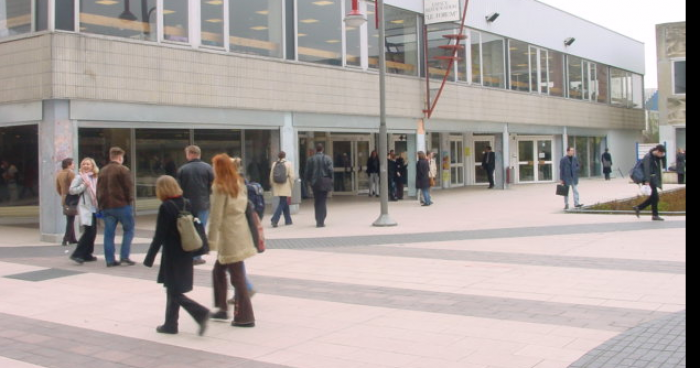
(213, 142)
(556, 73)
(618, 93)
(319, 25)
(15, 17)
(637, 91)
(493, 59)
(603, 84)
(679, 77)
(96, 142)
(65, 15)
(475, 41)
(582, 154)
(134, 19)
(575, 77)
(519, 66)
(438, 61)
(212, 23)
(401, 41)
(353, 46)
(256, 27)
(41, 15)
(19, 166)
(176, 20)
(372, 36)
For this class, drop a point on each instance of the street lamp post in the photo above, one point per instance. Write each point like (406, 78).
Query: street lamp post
(355, 18)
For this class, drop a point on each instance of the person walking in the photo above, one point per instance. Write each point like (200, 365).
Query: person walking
(195, 178)
(85, 185)
(653, 178)
(176, 265)
(680, 166)
(230, 236)
(401, 175)
(373, 173)
(569, 168)
(391, 169)
(606, 159)
(282, 179)
(319, 173)
(63, 183)
(488, 162)
(115, 196)
(423, 178)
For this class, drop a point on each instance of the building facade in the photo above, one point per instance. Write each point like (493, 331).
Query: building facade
(251, 78)
(671, 51)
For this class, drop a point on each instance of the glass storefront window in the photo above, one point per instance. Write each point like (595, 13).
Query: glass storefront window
(128, 18)
(15, 17)
(556, 73)
(213, 142)
(256, 27)
(176, 21)
(679, 77)
(19, 166)
(637, 91)
(372, 36)
(258, 156)
(401, 41)
(319, 31)
(619, 87)
(582, 152)
(65, 15)
(575, 77)
(493, 60)
(158, 152)
(353, 44)
(96, 142)
(519, 66)
(212, 20)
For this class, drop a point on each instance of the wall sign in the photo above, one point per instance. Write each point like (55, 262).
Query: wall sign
(440, 11)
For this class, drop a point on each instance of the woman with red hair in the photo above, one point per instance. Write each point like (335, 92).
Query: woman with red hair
(229, 235)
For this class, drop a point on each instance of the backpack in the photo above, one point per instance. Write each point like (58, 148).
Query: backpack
(637, 172)
(256, 196)
(279, 173)
(190, 238)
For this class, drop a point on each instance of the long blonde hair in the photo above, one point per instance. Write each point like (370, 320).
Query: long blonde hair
(226, 177)
(95, 169)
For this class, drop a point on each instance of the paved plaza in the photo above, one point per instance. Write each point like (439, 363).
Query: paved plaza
(482, 279)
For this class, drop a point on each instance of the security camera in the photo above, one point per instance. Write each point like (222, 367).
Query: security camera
(492, 17)
(569, 41)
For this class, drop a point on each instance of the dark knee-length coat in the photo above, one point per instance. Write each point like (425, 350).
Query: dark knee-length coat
(176, 267)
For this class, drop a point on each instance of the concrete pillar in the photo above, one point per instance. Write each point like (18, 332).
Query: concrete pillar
(58, 139)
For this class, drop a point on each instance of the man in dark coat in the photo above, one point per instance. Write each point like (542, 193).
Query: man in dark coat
(569, 168)
(423, 178)
(652, 177)
(489, 164)
(319, 173)
(196, 177)
(606, 159)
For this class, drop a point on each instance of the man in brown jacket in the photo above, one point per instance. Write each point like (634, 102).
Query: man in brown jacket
(63, 181)
(115, 195)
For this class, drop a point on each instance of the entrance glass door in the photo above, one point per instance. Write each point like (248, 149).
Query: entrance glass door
(535, 161)
(480, 176)
(457, 161)
(350, 164)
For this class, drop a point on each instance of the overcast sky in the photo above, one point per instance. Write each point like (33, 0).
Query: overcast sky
(633, 18)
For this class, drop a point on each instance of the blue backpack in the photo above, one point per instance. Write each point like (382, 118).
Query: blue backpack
(257, 197)
(637, 172)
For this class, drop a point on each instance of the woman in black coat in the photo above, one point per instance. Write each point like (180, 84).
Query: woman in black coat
(176, 266)
(423, 178)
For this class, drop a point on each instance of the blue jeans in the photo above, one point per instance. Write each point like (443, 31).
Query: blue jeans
(282, 207)
(203, 217)
(574, 188)
(426, 196)
(112, 216)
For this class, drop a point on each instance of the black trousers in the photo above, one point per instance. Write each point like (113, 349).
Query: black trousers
(653, 200)
(172, 309)
(86, 244)
(320, 209)
(69, 235)
(243, 308)
(489, 173)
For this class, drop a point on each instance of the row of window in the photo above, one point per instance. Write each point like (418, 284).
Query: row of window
(314, 31)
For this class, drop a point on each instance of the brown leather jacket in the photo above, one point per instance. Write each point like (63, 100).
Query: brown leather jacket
(63, 180)
(115, 187)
